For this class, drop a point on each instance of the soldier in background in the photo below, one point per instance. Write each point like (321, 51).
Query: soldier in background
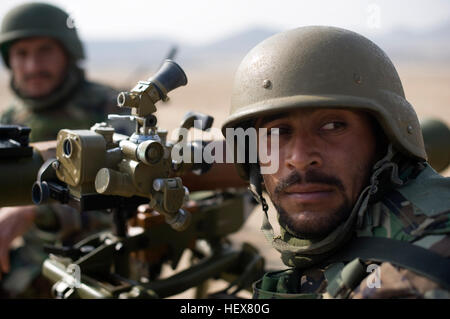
(361, 212)
(41, 48)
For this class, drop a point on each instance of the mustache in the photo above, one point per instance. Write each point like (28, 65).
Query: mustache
(312, 177)
(37, 75)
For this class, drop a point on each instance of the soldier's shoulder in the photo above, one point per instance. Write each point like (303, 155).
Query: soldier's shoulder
(419, 213)
(428, 192)
(390, 281)
(418, 208)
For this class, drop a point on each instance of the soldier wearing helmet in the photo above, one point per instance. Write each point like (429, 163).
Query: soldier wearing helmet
(361, 212)
(41, 48)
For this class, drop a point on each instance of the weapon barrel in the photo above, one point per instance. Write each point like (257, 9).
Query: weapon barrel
(56, 272)
(17, 175)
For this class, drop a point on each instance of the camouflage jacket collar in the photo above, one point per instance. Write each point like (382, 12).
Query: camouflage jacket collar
(415, 214)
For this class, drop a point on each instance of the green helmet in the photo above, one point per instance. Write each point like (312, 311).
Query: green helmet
(39, 19)
(324, 67)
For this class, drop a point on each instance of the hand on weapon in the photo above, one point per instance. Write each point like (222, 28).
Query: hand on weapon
(14, 222)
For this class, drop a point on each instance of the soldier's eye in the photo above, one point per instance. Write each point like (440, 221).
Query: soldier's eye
(332, 126)
(284, 130)
(46, 48)
(20, 53)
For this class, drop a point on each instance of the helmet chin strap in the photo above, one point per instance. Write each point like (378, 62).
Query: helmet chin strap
(255, 187)
(304, 253)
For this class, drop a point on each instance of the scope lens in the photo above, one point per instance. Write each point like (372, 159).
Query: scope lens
(121, 99)
(154, 152)
(152, 120)
(67, 147)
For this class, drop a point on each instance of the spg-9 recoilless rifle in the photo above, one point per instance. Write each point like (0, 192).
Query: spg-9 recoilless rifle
(98, 169)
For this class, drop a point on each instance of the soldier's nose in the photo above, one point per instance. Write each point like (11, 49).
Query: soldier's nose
(304, 154)
(31, 64)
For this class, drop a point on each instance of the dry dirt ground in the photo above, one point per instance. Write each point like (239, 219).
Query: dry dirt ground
(427, 87)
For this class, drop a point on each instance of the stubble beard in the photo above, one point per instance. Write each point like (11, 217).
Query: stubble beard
(320, 226)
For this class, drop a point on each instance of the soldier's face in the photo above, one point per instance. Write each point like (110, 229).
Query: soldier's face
(325, 159)
(38, 64)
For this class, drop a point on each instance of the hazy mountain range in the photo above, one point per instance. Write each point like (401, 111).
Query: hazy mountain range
(400, 45)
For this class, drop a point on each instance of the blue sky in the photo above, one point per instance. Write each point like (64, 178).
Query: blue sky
(203, 21)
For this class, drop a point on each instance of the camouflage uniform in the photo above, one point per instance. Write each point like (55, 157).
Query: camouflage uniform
(75, 104)
(416, 213)
(400, 220)
(84, 105)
